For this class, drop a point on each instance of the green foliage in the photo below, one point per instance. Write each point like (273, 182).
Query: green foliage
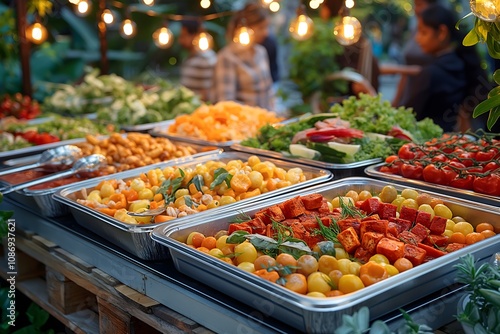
(311, 60)
(488, 33)
(8, 36)
(359, 323)
(482, 311)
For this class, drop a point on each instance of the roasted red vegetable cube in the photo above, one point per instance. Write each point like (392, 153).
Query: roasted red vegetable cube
(379, 226)
(387, 210)
(423, 218)
(369, 241)
(415, 254)
(420, 231)
(400, 223)
(371, 206)
(349, 239)
(293, 207)
(392, 249)
(312, 201)
(438, 225)
(408, 213)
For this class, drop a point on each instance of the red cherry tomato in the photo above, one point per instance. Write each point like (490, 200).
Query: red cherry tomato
(433, 174)
(489, 185)
(412, 171)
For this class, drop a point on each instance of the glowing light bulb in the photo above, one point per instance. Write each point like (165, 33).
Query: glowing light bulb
(83, 7)
(204, 41)
(128, 29)
(148, 2)
(302, 27)
(36, 33)
(266, 3)
(349, 3)
(486, 10)
(163, 38)
(314, 4)
(107, 16)
(348, 30)
(205, 4)
(243, 36)
(74, 2)
(274, 6)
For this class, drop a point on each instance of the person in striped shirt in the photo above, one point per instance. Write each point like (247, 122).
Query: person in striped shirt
(242, 73)
(197, 70)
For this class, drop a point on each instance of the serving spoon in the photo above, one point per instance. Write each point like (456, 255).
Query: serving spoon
(64, 155)
(88, 164)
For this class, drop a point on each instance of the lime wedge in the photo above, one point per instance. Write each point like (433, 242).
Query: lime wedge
(348, 149)
(303, 151)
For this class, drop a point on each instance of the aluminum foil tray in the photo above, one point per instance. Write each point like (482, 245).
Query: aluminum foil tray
(374, 171)
(323, 315)
(136, 238)
(42, 198)
(339, 170)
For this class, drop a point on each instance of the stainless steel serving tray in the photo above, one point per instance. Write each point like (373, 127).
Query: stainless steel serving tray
(323, 315)
(162, 131)
(136, 238)
(339, 170)
(374, 171)
(22, 152)
(147, 126)
(42, 198)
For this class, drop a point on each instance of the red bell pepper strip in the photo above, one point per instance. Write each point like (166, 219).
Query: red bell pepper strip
(337, 132)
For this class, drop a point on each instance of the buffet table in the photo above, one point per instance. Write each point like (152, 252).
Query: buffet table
(133, 294)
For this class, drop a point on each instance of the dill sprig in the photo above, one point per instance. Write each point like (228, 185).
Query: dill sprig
(242, 217)
(282, 232)
(329, 233)
(348, 210)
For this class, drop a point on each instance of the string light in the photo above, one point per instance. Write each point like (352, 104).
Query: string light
(205, 4)
(128, 29)
(163, 38)
(107, 16)
(36, 33)
(302, 27)
(266, 3)
(486, 10)
(274, 6)
(74, 2)
(203, 41)
(348, 30)
(148, 2)
(83, 7)
(243, 35)
(314, 4)
(349, 3)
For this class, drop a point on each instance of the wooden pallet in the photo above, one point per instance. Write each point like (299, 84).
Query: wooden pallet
(84, 298)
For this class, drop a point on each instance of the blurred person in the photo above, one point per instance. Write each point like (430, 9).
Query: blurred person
(441, 87)
(197, 70)
(242, 73)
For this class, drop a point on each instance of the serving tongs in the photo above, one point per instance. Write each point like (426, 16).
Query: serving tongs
(62, 156)
(86, 164)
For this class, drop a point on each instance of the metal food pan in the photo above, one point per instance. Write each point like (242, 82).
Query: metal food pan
(323, 315)
(22, 152)
(42, 198)
(162, 131)
(374, 171)
(339, 170)
(133, 237)
(144, 128)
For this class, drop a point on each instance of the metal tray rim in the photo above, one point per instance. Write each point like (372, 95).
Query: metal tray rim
(278, 155)
(374, 171)
(61, 195)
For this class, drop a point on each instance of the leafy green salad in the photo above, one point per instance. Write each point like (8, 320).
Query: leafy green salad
(358, 129)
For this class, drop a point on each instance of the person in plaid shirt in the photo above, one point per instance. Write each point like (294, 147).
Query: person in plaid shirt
(242, 73)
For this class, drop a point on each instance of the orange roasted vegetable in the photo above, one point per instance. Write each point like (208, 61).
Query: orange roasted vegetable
(372, 272)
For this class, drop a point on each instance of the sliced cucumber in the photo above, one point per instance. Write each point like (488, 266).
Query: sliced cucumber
(348, 149)
(375, 136)
(303, 152)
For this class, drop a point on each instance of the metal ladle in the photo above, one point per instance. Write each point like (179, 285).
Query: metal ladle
(86, 164)
(64, 155)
